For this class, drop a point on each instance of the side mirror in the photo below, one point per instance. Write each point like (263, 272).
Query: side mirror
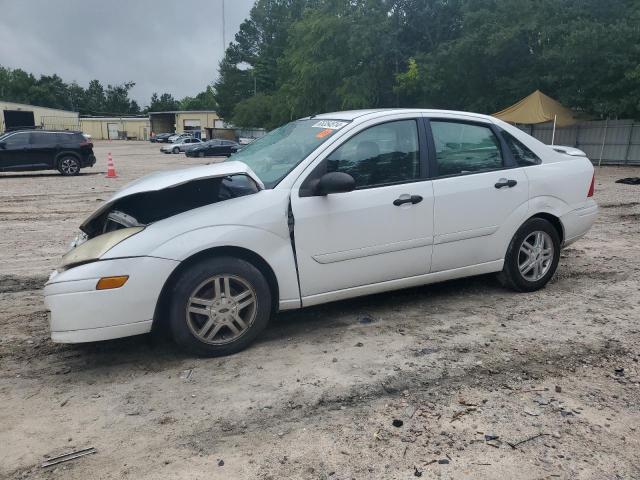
(335, 182)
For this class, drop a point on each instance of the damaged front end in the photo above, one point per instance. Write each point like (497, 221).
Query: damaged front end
(157, 197)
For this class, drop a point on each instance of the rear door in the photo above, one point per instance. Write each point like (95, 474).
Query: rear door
(214, 148)
(43, 148)
(381, 231)
(226, 147)
(481, 195)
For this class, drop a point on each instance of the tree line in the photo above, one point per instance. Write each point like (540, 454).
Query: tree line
(293, 58)
(51, 91)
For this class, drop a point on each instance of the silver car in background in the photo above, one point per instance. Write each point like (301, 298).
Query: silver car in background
(181, 145)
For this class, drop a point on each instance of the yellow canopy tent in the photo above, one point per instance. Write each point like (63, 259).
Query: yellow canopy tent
(537, 108)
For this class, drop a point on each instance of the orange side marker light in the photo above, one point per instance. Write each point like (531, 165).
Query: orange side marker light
(107, 283)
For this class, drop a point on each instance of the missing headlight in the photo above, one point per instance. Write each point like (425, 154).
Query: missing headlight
(142, 208)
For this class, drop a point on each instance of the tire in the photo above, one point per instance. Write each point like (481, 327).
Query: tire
(176, 150)
(527, 267)
(209, 323)
(201, 154)
(68, 165)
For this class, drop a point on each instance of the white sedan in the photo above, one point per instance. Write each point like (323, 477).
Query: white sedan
(321, 209)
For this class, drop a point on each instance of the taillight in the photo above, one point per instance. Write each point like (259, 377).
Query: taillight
(592, 188)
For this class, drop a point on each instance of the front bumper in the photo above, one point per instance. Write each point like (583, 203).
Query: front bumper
(90, 161)
(80, 313)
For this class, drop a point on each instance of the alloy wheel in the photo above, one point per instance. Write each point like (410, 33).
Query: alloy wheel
(221, 309)
(535, 256)
(69, 166)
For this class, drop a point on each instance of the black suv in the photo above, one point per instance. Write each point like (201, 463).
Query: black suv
(66, 152)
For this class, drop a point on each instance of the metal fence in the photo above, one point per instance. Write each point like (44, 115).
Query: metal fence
(606, 142)
(59, 123)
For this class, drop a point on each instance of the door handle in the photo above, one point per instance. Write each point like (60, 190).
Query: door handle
(408, 199)
(503, 182)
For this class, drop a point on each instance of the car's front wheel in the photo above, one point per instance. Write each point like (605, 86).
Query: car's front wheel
(532, 257)
(69, 165)
(176, 150)
(219, 306)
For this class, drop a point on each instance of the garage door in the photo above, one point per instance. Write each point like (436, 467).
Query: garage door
(192, 124)
(112, 129)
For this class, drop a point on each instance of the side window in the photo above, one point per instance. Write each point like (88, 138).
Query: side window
(465, 148)
(523, 156)
(17, 140)
(386, 153)
(39, 138)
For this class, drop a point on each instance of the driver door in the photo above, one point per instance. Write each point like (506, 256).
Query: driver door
(14, 151)
(382, 230)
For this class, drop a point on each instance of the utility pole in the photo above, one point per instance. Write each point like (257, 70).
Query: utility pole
(224, 37)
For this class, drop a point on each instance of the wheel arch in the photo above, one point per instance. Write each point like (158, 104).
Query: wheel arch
(66, 153)
(553, 220)
(162, 304)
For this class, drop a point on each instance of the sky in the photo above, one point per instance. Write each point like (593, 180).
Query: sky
(161, 45)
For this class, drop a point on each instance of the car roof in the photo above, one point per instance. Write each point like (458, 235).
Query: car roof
(30, 130)
(350, 115)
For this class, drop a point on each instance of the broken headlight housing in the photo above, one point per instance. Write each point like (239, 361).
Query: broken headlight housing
(91, 250)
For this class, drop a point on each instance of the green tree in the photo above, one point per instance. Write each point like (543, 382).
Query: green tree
(163, 103)
(117, 99)
(94, 98)
(203, 101)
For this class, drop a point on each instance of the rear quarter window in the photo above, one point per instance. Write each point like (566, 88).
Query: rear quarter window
(523, 156)
(66, 138)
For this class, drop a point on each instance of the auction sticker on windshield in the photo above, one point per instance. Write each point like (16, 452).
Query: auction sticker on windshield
(330, 124)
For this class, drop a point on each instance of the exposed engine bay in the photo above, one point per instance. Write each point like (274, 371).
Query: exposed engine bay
(143, 208)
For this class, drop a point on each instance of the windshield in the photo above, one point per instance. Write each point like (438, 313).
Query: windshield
(273, 156)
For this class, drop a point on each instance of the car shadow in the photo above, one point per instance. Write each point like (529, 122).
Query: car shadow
(44, 175)
(157, 352)
(344, 313)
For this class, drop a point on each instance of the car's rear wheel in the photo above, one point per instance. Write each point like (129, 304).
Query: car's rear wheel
(532, 257)
(219, 306)
(69, 165)
(176, 150)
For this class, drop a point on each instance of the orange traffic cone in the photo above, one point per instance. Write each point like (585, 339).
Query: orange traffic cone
(111, 169)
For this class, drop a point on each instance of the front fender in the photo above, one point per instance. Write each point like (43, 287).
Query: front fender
(274, 249)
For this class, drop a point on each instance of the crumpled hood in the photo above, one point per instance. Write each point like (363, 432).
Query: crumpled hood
(172, 178)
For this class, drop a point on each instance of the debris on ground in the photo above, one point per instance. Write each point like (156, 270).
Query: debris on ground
(397, 423)
(629, 181)
(65, 457)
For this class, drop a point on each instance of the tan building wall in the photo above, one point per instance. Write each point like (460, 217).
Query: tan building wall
(49, 118)
(193, 119)
(108, 128)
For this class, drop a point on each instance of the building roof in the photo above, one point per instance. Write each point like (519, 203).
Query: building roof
(24, 106)
(185, 111)
(118, 119)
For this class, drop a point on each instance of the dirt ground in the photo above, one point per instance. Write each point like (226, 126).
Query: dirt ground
(483, 382)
